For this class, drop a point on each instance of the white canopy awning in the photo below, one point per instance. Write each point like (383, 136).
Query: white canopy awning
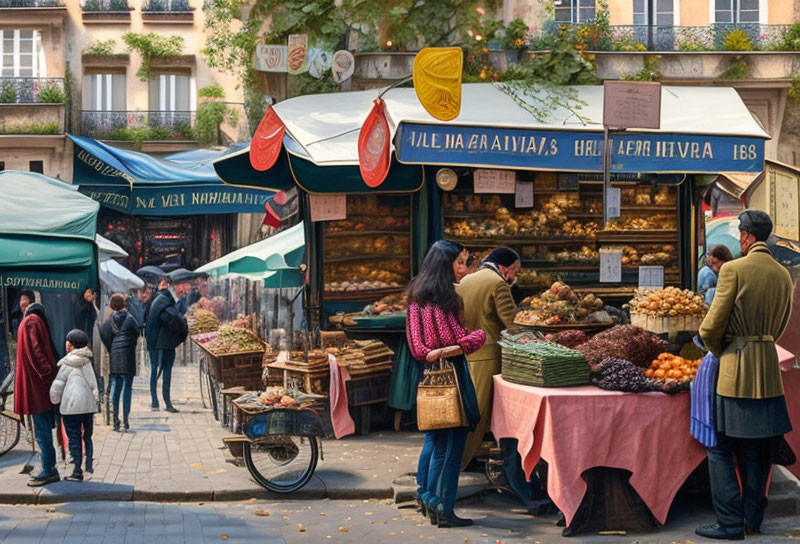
(106, 249)
(115, 278)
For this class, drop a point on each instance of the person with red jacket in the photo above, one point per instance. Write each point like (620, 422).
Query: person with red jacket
(36, 369)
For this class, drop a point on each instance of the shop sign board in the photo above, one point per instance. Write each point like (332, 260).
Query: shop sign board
(785, 203)
(271, 58)
(523, 198)
(632, 104)
(651, 277)
(328, 207)
(494, 181)
(576, 151)
(610, 265)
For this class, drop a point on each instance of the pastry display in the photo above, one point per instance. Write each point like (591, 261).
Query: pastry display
(646, 196)
(667, 302)
(649, 255)
(650, 222)
(389, 304)
(557, 306)
(352, 277)
(536, 278)
(367, 245)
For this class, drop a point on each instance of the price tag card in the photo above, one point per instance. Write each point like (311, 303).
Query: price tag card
(610, 265)
(613, 202)
(651, 276)
(524, 194)
(494, 181)
(328, 207)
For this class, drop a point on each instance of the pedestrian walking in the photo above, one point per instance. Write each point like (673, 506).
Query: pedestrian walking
(75, 391)
(749, 313)
(120, 333)
(435, 329)
(36, 358)
(708, 275)
(26, 298)
(166, 330)
(489, 306)
(86, 312)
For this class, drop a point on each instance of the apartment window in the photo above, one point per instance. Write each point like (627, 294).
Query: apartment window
(170, 92)
(21, 53)
(104, 92)
(36, 166)
(3, 165)
(736, 11)
(574, 11)
(663, 12)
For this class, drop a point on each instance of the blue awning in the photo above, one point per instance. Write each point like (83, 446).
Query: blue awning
(139, 184)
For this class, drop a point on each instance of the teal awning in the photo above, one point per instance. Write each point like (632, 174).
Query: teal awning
(47, 234)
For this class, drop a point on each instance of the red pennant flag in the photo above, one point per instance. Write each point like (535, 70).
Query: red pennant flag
(267, 141)
(374, 152)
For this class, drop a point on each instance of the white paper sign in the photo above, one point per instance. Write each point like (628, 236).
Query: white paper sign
(328, 207)
(613, 202)
(495, 181)
(610, 265)
(632, 104)
(270, 58)
(523, 198)
(651, 276)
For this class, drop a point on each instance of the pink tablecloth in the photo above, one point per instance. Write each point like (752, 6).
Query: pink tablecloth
(578, 428)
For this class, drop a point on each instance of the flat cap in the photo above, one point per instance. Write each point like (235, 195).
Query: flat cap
(756, 223)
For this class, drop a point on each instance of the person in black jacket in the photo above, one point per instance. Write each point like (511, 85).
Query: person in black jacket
(86, 313)
(166, 330)
(120, 333)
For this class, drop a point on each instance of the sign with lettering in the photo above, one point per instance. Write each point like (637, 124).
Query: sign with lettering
(494, 181)
(785, 202)
(328, 207)
(76, 280)
(159, 201)
(523, 198)
(566, 151)
(613, 202)
(651, 276)
(270, 58)
(632, 104)
(610, 265)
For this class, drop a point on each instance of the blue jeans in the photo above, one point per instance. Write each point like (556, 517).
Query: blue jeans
(423, 466)
(79, 429)
(166, 358)
(734, 507)
(43, 431)
(445, 448)
(121, 384)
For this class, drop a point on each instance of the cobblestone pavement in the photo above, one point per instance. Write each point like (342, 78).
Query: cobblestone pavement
(497, 521)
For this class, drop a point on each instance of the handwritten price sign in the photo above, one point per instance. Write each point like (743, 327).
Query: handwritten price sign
(610, 265)
(495, 181)
(328, 207)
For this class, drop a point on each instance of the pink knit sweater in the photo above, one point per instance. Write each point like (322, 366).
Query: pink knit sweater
(429, 328)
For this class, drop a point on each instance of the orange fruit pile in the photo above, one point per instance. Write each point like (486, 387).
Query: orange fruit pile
(668, 367)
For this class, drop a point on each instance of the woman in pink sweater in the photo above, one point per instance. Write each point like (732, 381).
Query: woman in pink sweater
(435, 329)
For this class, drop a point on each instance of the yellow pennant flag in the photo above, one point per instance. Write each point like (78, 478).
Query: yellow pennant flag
(437, 81)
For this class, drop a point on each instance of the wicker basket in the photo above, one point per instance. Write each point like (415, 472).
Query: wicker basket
(439, 406)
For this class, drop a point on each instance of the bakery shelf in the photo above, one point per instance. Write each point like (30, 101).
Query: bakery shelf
(556, 266)
(467, 215)
(494, 242)
(637, 236)
(368, 295)
(347, 233)
(364, 257)
(649, 208)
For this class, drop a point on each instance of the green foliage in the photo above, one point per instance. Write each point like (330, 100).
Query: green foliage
(152, 45)
(255, 106)
(693, 43)
(51, 94)
(8, 95)
(596, 35)
(32, 128)
(118, 5)
(104, 48)
(139, 134)
(737, 40)
(648, 73)
(92, 5)
(211, 91)
(738, 69)
(790, 40)
(210, 116)
(303, 84)
(794, 89)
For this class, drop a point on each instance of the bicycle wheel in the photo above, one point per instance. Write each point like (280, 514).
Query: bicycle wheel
(282, 463)
(205, 392)
(9, 433)
(213, 389)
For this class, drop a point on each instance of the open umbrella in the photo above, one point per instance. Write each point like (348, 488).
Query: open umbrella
(151, 274)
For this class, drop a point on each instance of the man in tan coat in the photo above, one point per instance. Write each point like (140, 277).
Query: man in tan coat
(749, 314)
(489, 306)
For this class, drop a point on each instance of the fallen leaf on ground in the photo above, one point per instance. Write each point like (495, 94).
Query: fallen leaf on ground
(367, 513)
(322, 514)
(223, 536)
(285, 517)
(263, 513)
(301, 528)
(343, 529)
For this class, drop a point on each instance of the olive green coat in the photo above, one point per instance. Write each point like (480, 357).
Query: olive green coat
(488, 305)
(750, 311)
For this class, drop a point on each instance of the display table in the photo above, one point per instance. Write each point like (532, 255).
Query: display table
(578, 428)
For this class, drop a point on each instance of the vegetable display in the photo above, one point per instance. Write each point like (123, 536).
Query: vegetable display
(202, 321)
(570, 338)
(559, 305)
(623, 342)
(531, 361)
(235, 340)
(613, 374)
(668, 367)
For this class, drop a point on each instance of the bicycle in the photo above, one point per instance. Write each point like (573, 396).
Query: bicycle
(10, 422)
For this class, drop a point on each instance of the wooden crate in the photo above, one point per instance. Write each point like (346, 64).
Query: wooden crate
(236, 369)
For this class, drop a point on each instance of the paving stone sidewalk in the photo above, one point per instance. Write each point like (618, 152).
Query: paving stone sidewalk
(181, 457)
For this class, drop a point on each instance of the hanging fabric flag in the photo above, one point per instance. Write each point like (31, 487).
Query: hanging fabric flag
(437, 81)
(267, 141)
(374, 154)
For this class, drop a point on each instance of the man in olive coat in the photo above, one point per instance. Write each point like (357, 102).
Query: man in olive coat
(749, 314)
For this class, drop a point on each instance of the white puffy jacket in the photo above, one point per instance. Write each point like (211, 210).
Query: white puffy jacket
(75, 386)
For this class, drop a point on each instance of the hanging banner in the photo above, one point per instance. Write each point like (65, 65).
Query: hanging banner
(319, 62)
(344, 64)
(270, 58)
(265, 147)
(437, 81)
(297, 54)
(374, 153)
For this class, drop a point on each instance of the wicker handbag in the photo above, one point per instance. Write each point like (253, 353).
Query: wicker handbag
(439, 404)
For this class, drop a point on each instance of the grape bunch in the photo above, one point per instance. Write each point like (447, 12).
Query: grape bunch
(613, 374)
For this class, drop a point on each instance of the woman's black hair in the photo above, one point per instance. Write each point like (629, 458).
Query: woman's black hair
(435, 283)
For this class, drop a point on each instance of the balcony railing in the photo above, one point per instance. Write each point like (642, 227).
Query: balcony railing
(137, 125)
(114, 6)
(166, 6)
(678, 38)
(31, 4)
(30, 90)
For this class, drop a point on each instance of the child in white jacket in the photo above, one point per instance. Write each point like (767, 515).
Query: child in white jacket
(75, 389)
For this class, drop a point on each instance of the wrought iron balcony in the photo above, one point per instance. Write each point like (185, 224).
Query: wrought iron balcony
(137, 125)
(676, 38)
(166, 6)
(31, 90)
(16, 4)
(114, 6)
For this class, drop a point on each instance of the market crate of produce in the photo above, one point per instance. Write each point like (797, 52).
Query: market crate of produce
(370, 389)
(529, 360)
